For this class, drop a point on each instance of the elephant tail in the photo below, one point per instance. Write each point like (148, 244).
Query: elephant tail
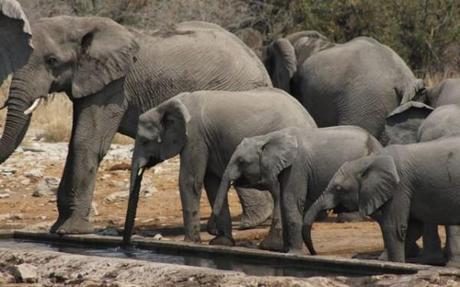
(412, 91)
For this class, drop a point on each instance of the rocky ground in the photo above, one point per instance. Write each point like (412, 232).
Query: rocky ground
(28, 184)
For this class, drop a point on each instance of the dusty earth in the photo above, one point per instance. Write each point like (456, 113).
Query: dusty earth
(28, 182)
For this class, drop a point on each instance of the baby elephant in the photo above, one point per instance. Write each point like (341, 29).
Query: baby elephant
(296, 166)
(418, 181)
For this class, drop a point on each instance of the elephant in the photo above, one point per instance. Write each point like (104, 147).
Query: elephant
(112, 75)
(417, 181)
(444, 93)
(16, 44)
(295, 166)
(355, 83)
(204, 128)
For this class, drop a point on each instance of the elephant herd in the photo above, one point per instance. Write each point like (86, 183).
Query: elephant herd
(309, 126)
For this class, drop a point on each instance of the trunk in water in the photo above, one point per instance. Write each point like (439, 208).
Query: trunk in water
(309, 218)
(16, 121)
(135, 187)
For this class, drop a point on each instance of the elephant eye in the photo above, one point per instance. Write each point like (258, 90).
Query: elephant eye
(52, 61)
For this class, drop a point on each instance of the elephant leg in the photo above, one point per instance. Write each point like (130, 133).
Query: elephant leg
(220, 226)
(96, 120)
(274, 239)
(453, 245)
(193, 164)
(414, 232)
(432, 251)
(257, 206)
(292, 223)
(394, 245)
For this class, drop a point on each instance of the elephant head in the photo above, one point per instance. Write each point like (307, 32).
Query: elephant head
(161, 134)
(256, 162)
(364, 184)
(402, 124)
(16, 45)
(76, 55)
(284, 55)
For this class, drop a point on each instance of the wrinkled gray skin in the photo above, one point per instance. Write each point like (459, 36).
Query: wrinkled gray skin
(295, 166)
(205, 127)
(113, 75)
(416, 122)
(363, 79)
(445, 93)
(15, 46)
(418, 181)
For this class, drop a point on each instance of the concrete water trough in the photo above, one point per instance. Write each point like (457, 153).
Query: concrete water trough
(247, 260)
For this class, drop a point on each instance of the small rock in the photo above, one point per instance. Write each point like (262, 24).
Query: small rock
(47, 187)
(8, 171)
(25, 273)
(157, 236)
(25, 181)
(34, 173)
(4, 194)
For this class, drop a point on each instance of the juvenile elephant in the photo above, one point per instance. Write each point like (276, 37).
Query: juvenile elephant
(355, 83)
(205, 127)
(15, 32)
(295, 166)
(112, 75)
(419, 181)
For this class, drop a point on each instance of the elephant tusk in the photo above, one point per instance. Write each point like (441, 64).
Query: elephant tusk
(140, 172)
(33, 107)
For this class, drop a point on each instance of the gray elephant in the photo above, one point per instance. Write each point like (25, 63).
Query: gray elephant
(15, 32)
(205, 127)
(355, 83)
(417, 181)
(112, 75)
(444, 93)
(295, 166)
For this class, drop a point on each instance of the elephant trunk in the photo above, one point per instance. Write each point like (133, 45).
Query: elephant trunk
(325, 201)
(137, 172)
(229, 176)
(17, 123)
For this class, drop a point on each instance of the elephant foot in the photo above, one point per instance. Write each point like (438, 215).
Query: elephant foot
(57, 224)
(430, 259)
(75, 225)
(211, 227)
(273, 241)
(222, 240)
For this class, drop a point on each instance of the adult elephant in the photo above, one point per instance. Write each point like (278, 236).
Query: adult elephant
(15, 32)
(444, 93)
(355, 83)
(112, 75)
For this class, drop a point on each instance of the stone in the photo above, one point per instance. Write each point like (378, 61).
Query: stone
(157, 236)
(46, 187)
(34, 173)
(25, 273)
(111, 231)
(25, 181)
(4, 194)
(8, 171)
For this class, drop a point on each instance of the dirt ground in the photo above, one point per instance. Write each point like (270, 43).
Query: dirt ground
(161, 207)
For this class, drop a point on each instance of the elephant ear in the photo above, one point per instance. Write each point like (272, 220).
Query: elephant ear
(15, 44)
(174, 119)
(277, 153)
(307, 46)
(402, 124)
(107, 52)
(281, 63)
(378, 177)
